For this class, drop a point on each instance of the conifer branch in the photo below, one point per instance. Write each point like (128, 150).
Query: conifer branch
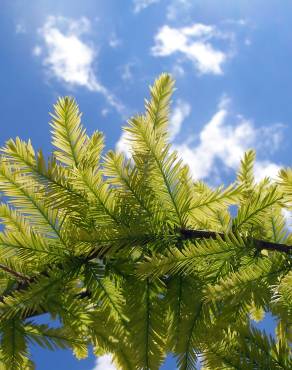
(186, 234)
(13, 273)
(258, 244)
(107, 249)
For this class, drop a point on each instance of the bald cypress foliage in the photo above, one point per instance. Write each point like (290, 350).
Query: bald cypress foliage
(134, 257)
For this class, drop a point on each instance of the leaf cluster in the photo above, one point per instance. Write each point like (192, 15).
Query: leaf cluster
(134, 257)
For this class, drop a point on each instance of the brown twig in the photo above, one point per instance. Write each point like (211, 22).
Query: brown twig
(13, 273)
(258, 244)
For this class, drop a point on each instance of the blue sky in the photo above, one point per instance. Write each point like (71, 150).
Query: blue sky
(231, 61)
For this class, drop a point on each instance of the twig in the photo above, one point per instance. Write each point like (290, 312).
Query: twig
(13, 273)
(188, 234)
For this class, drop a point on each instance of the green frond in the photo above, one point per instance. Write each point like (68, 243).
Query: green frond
(157, 109)
(275, 225)
(283, 292)
(108, 293)
(164, 167)
(175, 300)
(241, 281)
(92, 152)
(51, 338)
(252, 212)
(248, 348)
(285, 183)
(263, 350)
(29, 246)
(16, 149)
(106, 341)
(188, 348)
(15, 354)
(245, 174)
(29, 200)
(68, 135)
(12, 219)
(186, 320)
(207, 203)
(212, 199)
(130, 183)
(53, 179)
(147, 331)
(206, 256)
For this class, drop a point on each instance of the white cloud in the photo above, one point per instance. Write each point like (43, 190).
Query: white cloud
(216, 140)
(122, 145)
(194, 43)
(104, 363)
(221, 143)
(288, 219)
(180, 112)
(69, 58)
(140, 5)
(177, 7)
(264, 169)
(227, 141)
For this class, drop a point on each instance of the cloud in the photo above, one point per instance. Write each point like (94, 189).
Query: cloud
(140, 5)
(264, 169)
(224, 140)
(180, 112)
(194, 43)
(221, 144)
(104, 363)
(122, 145)
(288, 219)
(178, 7)
(69, 58)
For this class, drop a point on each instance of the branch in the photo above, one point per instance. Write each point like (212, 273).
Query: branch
(13, 273)
(186, 234)
(258, 244)
(25, 282)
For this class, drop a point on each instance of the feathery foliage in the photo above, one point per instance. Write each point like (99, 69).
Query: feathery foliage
(135, 257)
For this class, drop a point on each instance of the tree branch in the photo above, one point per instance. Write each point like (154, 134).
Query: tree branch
(13, 273)
(258, 244)
(185, 234)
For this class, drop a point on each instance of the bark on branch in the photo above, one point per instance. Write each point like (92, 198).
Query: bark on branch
(258, 244)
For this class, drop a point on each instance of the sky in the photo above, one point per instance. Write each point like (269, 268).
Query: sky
(231, 61)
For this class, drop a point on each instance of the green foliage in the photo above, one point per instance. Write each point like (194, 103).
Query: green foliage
(134, 257)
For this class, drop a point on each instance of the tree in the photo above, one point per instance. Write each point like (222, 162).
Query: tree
(134, 257)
